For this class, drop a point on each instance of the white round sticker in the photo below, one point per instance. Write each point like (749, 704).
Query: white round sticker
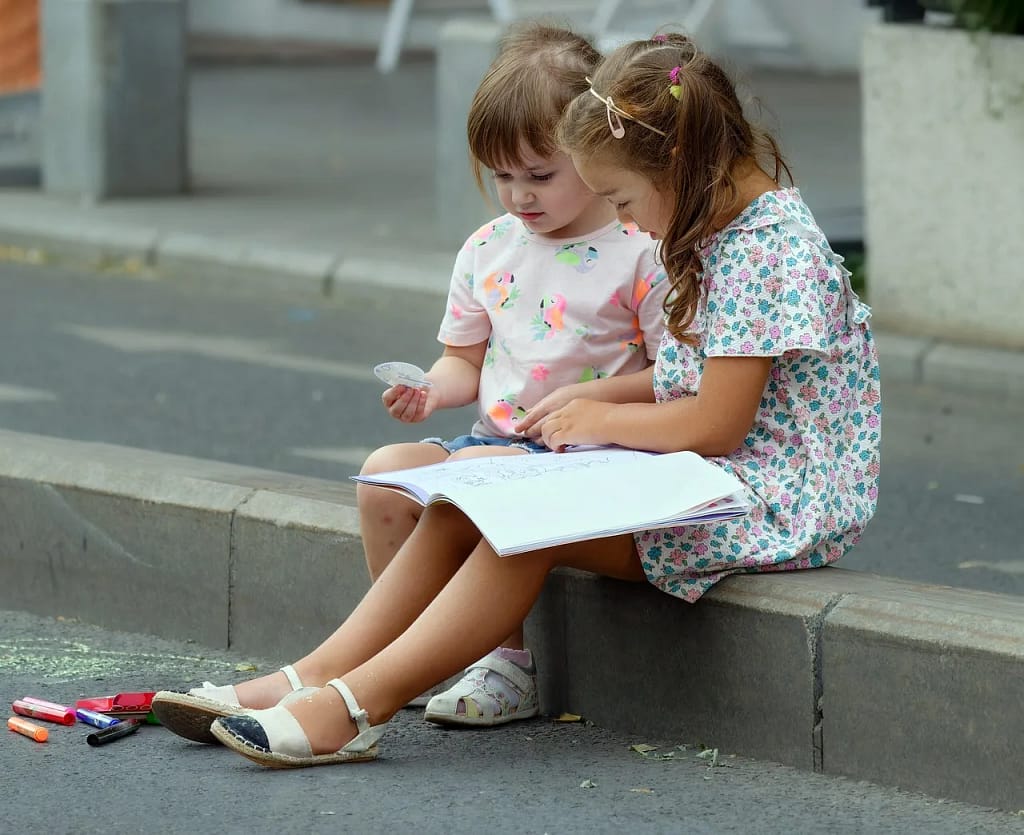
(402, 374)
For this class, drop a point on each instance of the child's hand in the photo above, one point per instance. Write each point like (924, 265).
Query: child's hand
(532, 422)
(578, 422)
(408, 404)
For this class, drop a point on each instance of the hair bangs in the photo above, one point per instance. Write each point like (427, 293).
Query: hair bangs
(513, 115)
(517, 106)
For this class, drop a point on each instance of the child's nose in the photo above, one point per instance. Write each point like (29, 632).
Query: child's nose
(522, 195)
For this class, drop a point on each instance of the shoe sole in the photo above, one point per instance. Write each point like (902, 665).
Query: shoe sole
(190, 716)
(424, 699)
(461, 720)
(272, 760)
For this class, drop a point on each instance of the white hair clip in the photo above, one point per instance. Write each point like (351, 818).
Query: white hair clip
(616, 114)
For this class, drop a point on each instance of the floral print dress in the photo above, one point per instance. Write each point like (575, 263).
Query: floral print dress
(771, 286)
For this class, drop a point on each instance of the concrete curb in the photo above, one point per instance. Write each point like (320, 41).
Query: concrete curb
(828, 670)
(993, 372)
(41, 237)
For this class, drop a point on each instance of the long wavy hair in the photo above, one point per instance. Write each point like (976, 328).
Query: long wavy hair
(706, 135)
(538, 71)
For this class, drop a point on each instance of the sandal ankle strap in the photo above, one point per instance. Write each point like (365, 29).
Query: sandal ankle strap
(519, 678)
(292, 676)
(359, 716)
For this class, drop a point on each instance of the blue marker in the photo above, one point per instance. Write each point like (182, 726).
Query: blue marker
(98, 720)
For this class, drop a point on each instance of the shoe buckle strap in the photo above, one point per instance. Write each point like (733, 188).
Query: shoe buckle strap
(359, 716)
(513, 673)
(292, 676)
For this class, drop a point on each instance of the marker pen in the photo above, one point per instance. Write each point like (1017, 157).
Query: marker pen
(38, 709)
(97, 720)
(26, 728)
(123, 728)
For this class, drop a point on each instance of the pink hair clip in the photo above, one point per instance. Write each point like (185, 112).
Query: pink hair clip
(659, 38)
(674, 89)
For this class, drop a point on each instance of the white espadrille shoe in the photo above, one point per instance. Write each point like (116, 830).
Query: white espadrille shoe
(274, 737)
(190, 714)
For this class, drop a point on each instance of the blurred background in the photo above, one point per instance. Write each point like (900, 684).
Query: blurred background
(297, 169)
(295, 73)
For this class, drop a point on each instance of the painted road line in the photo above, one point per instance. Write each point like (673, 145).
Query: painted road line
(252, 351)
(20, 394)
(1005, 567)
(350, 455)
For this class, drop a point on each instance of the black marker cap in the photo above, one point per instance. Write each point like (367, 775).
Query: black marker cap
(122, 728)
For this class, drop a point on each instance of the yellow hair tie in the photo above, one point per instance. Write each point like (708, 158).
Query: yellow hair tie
(675, 90)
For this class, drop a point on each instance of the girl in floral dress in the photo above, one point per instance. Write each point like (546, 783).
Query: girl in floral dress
(768, 369)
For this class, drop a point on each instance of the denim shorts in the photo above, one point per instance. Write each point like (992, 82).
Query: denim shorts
(463, 441)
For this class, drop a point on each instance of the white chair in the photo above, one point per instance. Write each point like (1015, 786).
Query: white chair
(697, 18)
(399, 12)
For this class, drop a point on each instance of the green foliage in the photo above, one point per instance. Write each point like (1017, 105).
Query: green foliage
(1006, 16)
(1003, 16)
(855, 262)
(858, 266)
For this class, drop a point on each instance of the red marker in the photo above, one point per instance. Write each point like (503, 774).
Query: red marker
(40, 709)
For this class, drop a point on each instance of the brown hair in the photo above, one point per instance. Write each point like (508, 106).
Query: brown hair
(538, 71)
(706, 135)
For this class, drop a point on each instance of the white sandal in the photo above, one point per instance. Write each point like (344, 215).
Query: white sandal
(274, 737)
(474, 692)
(190, 714)
(423, 699)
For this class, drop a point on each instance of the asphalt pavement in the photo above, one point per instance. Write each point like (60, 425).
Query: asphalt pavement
(537, 776)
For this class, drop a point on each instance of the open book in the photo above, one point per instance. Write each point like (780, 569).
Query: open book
(524, 502)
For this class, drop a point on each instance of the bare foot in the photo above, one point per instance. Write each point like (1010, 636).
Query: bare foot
(265, 691)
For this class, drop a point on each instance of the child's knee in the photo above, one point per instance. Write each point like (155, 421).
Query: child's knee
(484, 452)
(402, 456)
(386, 505)
(380, 460)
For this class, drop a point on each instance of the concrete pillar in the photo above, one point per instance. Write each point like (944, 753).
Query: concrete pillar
(115, 105)
(19, 139)
(943, 113)
(465, 50)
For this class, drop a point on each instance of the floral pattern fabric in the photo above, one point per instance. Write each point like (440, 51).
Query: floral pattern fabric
(771, 286)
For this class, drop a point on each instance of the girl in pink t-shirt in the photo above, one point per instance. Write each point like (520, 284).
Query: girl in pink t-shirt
(553, 300)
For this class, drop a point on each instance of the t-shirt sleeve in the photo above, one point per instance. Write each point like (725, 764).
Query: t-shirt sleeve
(650, 286)
(767, 293)
(465, 321)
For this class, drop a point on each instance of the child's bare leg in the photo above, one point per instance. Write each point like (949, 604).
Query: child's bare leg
(321, 665)
(401, 593)
(516, 640)
(386, 518)
(486, 599)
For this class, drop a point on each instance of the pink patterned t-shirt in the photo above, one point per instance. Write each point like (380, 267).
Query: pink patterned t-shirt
(554, 312)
